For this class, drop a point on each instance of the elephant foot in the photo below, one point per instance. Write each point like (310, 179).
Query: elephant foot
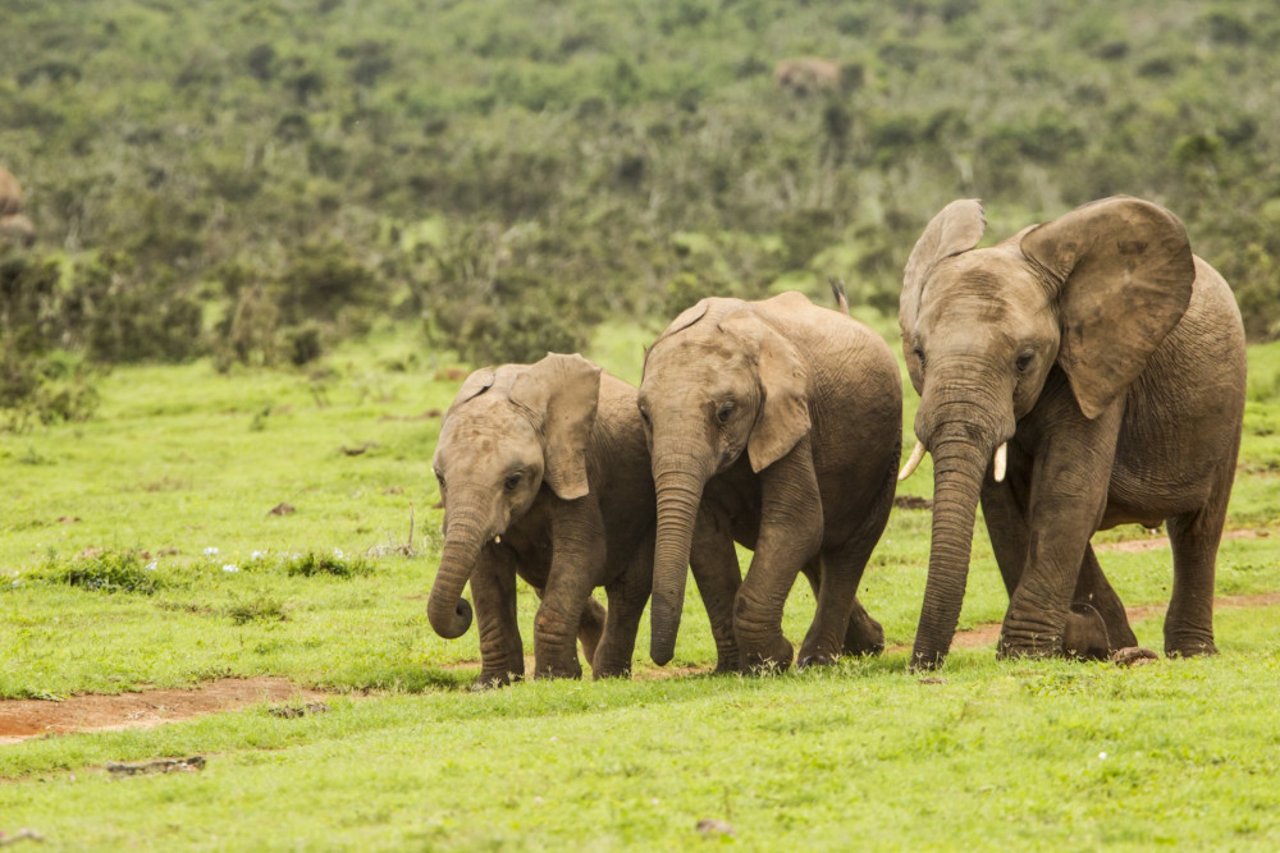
(820, 659)
(1189, 648)
(491, 679)
(865, 635)
(558, 669)
(615, 670)
(728, 661)
(776, 659)
(1028, 647)
(1084, 635)
(1133, 656)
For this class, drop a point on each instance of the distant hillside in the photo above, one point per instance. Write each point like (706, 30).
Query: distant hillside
(480, 161)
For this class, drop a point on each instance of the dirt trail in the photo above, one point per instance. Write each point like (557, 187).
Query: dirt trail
(25, 718)
(1154, 543)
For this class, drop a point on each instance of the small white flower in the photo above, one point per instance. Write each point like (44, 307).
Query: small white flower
(257, 555)
(210, 552)
(337, 552)
(1102, 756)
(654, 801)
(231, 567)
(151, 567)
(537, 801)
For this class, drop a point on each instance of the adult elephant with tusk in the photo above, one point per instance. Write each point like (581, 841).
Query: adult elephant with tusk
(1083, 373)
(544, 474)
(777, 424)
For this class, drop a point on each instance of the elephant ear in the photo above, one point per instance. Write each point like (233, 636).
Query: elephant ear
(561, 393)
(783, 418)
(474, 385)
(956, 229)
(1124, 270)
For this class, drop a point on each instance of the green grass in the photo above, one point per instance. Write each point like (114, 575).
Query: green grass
(181, 460)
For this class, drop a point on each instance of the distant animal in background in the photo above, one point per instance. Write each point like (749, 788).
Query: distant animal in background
(14, 225)
(544, 474)
(776, 424)
(807, 75)
(1083, 373)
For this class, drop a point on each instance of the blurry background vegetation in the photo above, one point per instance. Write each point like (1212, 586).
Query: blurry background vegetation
(254, 181)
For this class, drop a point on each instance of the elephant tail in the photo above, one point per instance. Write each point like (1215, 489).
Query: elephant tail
(837, 290)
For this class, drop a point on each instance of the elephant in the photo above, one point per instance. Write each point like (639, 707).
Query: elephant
(544, 474)
(1084, 373)
(15, 227)
(776, 424)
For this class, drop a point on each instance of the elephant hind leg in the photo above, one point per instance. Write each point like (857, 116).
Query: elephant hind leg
(591, 627)
(841, 624)
(1188, 624)
(1094, 592)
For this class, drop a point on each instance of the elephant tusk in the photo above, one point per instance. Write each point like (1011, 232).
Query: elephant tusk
(497, 540)
(1001, 462)
(917, 454)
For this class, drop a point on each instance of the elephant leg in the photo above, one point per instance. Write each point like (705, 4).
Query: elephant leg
(591, 627)
(493, 586)
(1068, 495)
(1004, 508)
(790, 535)
(1094, 591)
(577, 566)
(1188, 624)
(715, 570)
(628, 593)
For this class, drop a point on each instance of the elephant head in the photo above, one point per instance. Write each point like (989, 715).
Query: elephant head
(510, 430)
(1091, 294)
(714, 387)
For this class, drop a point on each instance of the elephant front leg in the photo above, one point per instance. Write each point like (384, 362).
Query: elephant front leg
(577, 566)
(790, 534)
(1067, 498)
(715, 570)
(493, 585)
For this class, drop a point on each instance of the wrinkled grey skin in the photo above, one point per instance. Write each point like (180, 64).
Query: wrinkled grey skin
(1112, 361)
(776, 424)
(551, 458)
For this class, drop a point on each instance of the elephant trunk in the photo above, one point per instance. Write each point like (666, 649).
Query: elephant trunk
(962, 448)
(448, 611)
(679, 480)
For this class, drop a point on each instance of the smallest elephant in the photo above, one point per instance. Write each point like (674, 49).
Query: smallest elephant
(545, 474)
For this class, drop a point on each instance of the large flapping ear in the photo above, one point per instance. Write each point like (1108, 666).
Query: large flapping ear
(955, 229)
(561, 393)
(783, 418)
(1125, 271)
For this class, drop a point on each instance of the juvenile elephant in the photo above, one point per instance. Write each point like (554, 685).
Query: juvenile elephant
(777, 424)
(1084, 373)
(544, 473)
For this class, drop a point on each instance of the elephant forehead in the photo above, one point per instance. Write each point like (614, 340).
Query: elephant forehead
(484, 424)
(986, 285)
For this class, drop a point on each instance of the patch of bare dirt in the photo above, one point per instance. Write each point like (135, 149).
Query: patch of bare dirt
(1153, 543)
(26, 718)
(912, 502)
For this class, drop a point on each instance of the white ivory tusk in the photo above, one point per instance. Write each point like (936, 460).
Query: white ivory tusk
(1001, 462)
(916, 455)
(497, 540)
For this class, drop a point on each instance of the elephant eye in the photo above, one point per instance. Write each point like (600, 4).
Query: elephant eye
(723, 413)
(644, 416)
(919, 354)
(1024, 361)
(512, 481)
(440, 479)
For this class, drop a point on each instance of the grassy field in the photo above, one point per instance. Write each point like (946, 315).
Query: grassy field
(181, 461)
